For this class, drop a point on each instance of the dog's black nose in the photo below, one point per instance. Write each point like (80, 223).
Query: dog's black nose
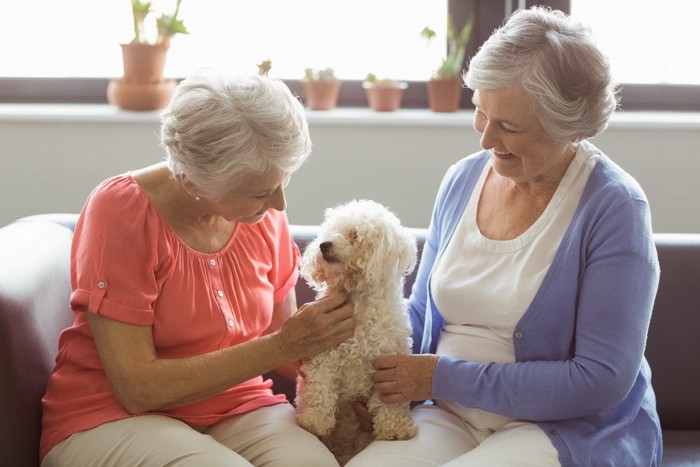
(325, 247)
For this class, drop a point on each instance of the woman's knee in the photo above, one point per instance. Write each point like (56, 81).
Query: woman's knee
(270, 437)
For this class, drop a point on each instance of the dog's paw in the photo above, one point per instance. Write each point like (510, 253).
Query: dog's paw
(392, 421)
(396, 433)
(313, 423)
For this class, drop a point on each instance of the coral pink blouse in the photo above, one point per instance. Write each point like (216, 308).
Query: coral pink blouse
(128, 264)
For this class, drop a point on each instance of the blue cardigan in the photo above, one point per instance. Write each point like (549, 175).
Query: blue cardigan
(579, 370)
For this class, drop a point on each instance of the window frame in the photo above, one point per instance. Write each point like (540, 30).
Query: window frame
(489, 14)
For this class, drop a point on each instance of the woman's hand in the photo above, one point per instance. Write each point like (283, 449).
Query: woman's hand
(318, 326)
(404, 378)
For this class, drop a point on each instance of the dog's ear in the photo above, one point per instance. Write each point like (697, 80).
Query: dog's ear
(408, 256)
(396, 243)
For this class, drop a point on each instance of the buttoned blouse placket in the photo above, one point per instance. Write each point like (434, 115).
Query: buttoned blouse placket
(221, 298)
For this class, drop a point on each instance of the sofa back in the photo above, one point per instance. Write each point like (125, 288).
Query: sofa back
(35, 289)
(673, 344)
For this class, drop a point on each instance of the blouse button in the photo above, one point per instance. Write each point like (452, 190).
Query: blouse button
(220, 293)
(518, 335)
(212, 262)
(101, 285)
(230, 323)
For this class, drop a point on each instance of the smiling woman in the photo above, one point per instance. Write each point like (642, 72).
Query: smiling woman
(537, 248)
(522, 150)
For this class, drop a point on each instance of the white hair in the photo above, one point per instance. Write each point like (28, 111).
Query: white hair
(218, 129)
(556, 61)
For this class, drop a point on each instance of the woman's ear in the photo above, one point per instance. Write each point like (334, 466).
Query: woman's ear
(188, 186)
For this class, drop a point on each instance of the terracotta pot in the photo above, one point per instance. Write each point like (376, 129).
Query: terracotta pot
(144, 63)
(444, 94)
(385, 97)
(322, 95)
(142, 87)
(128, 95)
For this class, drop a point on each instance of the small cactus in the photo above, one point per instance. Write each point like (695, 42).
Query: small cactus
(264, 67)
(325, 74)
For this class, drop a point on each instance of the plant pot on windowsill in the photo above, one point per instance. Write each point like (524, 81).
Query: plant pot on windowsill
(444, 95)
(321, 88)
(445, 86)
(384, 95)
(143, 87)
(322, 95)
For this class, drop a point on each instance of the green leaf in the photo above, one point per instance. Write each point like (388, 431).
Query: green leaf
(428, 33)
(451, 66)
(168, 26)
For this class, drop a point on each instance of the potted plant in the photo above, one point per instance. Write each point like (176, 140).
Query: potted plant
(321, 88)
(143, 86)
(445, 84)
(384, 95)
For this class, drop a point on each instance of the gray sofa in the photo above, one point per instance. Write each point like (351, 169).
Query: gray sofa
(34, 291)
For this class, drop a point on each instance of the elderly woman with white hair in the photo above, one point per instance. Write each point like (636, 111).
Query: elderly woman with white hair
(183, 279)
(535, 289)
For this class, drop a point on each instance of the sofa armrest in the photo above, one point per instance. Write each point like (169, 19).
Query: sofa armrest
(34, 309)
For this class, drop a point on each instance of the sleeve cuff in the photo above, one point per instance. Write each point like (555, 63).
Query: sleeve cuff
(95, 302)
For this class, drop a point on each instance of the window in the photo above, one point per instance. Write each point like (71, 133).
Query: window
(653, 48)
(657, 45)
(68, 52)
(80, 38)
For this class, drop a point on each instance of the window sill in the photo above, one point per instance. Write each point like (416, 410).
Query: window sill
(96, 113)
(100, 113)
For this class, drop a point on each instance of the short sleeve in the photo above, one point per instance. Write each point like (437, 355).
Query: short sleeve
(114, 254)
(285, 254)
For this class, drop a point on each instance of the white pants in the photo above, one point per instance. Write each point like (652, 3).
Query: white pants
(446, 440)
(268, 437)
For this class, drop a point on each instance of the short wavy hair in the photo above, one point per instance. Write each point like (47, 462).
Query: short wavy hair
(220, 128)
(554, 59)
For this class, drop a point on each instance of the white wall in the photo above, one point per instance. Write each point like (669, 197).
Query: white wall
(50, 159)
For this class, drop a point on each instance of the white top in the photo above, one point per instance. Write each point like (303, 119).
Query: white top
(482, 287)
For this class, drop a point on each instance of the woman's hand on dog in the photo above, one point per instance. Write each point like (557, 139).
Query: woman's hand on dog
(317, 326)
(404, 378)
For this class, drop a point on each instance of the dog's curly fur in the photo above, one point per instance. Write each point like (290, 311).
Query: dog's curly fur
(363, 250)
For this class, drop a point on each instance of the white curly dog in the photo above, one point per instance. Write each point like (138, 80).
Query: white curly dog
(361, 249)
